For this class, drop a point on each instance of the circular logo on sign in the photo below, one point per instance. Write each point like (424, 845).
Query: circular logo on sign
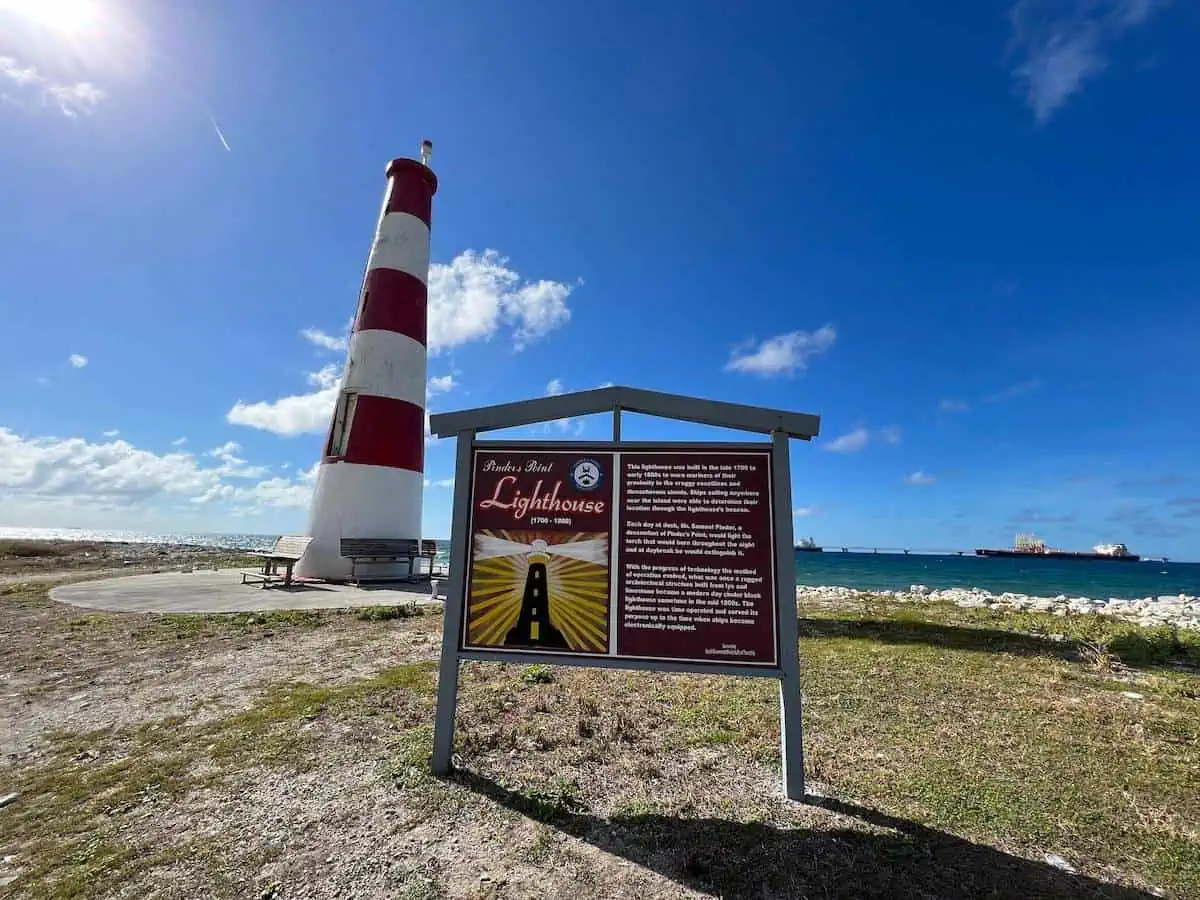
(586, 475)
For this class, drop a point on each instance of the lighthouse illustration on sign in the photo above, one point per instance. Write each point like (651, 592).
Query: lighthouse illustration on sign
(533, 628)
(539, 590)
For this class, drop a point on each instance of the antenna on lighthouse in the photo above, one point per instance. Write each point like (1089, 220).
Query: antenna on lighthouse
(426, 151)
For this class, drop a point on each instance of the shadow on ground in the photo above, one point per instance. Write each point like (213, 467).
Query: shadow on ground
(755, 860)
(990, 640)
(1133, 648)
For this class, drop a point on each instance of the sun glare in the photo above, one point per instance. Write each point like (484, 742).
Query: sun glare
(67, 16)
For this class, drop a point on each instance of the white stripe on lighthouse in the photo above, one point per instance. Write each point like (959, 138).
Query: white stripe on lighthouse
(387, 364)
(402, 243)
(361, 502)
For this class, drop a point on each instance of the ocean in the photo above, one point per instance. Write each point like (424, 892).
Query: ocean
(864, 571)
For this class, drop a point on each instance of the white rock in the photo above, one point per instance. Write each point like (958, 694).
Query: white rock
(1059, 863)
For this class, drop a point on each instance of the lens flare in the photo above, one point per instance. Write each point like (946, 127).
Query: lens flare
(67, 16)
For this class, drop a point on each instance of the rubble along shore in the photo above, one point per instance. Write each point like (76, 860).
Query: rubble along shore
(1179, 610)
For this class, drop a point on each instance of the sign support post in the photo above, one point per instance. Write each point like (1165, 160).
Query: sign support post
(791, 726)
(456, 594)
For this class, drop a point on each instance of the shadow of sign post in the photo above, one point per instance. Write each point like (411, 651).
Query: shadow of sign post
(673, 557)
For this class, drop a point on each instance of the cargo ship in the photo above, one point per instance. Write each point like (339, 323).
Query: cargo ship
(808, 545)
(1029, 545)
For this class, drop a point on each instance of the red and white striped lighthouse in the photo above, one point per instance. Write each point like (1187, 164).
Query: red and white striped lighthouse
(371, 477)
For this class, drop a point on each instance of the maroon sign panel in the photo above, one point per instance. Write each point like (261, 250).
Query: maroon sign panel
(695, 558)
(648, 554)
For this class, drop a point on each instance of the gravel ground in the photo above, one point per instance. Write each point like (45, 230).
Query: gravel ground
(285, 756)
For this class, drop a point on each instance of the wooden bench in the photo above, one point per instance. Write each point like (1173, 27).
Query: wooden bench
(287, 552)
(380, 550)
(429, 551)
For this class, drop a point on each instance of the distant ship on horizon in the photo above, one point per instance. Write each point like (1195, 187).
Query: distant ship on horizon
(1031, 545)
(808, 545)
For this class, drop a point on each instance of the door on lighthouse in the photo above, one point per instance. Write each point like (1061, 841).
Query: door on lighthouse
(339, 435)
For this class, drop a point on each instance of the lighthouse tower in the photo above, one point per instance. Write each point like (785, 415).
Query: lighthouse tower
(371, 475)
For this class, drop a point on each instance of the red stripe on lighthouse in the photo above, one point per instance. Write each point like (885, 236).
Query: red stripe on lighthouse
(412, 189)
(387, 432)
(394, 301)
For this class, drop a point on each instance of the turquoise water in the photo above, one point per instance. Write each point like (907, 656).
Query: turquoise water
(1038, 577)
(866, 571)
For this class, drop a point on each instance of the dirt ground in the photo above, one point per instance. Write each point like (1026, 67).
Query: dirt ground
(285, 756)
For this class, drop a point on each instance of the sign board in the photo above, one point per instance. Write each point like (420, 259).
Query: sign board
(662, 557)
(653, 553)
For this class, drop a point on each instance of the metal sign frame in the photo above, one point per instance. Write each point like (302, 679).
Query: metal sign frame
(780, 425)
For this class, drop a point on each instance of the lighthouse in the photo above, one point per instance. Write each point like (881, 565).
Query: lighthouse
(371, 475)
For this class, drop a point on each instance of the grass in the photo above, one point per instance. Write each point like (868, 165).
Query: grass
(30, 549)
(962, 746)
(1005, 728)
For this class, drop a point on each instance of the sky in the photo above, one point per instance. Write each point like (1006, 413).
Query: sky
(964, 234)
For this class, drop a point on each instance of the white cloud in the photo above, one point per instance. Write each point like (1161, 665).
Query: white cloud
(476, 295)
(1060, 44)
(440, 384)
(78, 360)
(554, 387)
(953, 406)
(889, 434)
(851, 442)
(115, 472)
(782, 354)
(73, 100)
(920, 478)
(179, 442)
(60, 479)
(472, 298)
(444, 483)
(277, 493)
(232, 465)
(113, 433)
(1014, 390)
(329, 376)
(288, 416)
(806, 511)
(323, 340)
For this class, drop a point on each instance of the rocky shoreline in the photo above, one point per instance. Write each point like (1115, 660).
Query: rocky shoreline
(32, 558)
(1178, 610)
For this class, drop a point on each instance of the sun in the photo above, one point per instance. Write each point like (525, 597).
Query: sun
(67, 16)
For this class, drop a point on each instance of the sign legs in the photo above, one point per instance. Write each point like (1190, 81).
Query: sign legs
(791, 726)
(456, 586)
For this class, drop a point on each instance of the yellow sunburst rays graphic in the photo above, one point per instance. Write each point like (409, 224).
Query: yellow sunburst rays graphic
(577, 576)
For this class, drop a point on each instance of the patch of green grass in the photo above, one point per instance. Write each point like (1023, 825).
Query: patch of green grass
(559, 795)
(982, 724)
(1089, 636)
(385, 613)
(32, 549)
(538, 673)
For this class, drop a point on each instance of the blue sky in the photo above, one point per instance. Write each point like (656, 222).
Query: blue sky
(962, 233)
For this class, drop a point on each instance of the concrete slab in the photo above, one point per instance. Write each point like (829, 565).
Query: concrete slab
(221, 591)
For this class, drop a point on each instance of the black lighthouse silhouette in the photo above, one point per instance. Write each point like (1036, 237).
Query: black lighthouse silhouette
(533, 628)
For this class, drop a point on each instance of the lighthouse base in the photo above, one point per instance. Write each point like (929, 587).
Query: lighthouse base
(352, 500)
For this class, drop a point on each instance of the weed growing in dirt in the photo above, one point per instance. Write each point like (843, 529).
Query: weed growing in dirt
(537, 674)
